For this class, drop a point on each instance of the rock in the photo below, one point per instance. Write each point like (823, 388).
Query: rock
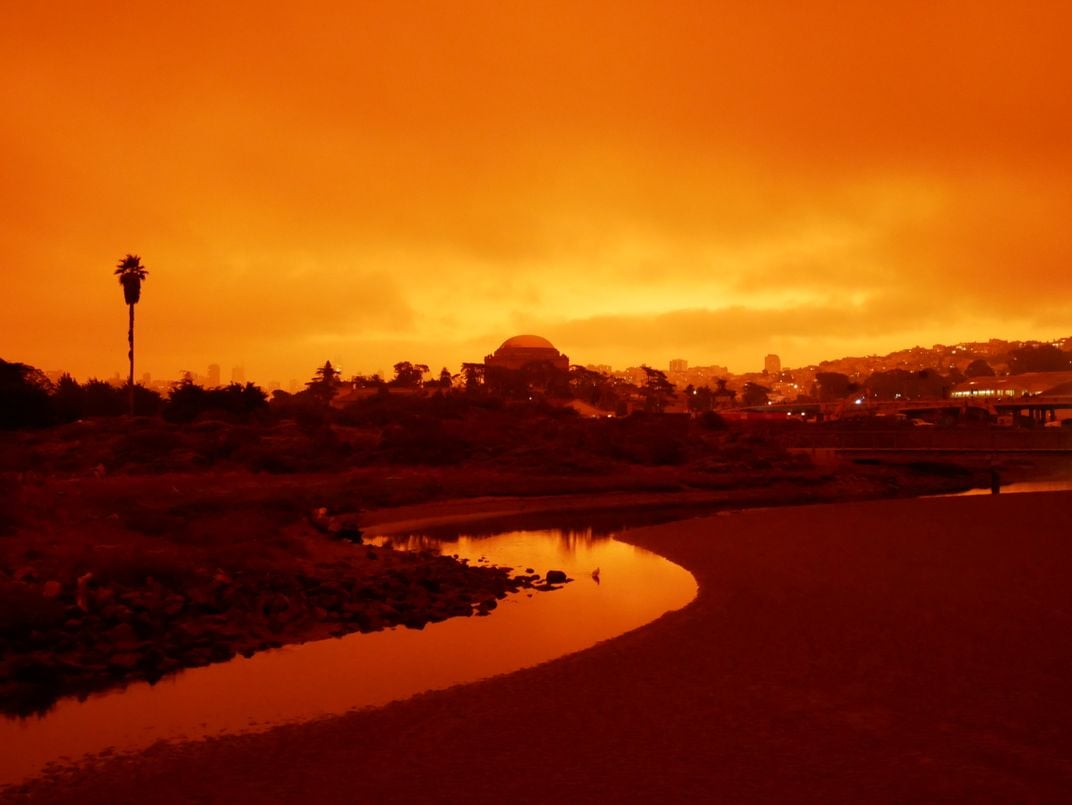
(125, 661)
(98, 596)
(116, 613)
(556, 577)
(192, 632)
(220, 652)
(120, 635)
(274, 604)
(345, 527)
(319, 518)
(341, 526)
(199, 656)
(51, 589)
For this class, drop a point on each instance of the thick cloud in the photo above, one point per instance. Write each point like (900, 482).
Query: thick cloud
(709, 184)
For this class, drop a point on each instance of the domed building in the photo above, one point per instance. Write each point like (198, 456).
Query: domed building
(522, 350)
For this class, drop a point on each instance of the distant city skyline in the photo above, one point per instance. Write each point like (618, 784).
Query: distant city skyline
(757, 366)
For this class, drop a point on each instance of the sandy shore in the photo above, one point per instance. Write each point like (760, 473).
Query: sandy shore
(891, 651)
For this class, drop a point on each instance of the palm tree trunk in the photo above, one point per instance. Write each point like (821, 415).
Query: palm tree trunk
(130, 354)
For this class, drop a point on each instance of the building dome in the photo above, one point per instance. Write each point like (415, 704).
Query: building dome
(521, 350)
(527, 342)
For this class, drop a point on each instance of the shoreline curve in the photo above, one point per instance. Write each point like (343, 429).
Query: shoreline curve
(884, 651)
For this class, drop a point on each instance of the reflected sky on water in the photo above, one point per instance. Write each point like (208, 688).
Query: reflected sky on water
(298, 683)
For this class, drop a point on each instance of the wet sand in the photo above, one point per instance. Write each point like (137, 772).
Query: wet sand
(890, 651)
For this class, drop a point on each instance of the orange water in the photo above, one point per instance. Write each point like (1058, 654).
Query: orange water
(298, 683)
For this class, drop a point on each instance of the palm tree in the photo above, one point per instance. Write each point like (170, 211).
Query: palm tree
(131, 273)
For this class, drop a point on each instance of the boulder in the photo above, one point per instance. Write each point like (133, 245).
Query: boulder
(340, 526)
(123, 634)
(125, 661)
(51, 589)
(556, 577)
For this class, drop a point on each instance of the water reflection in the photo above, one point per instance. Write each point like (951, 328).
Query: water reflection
(299, 683)
(548, 544)
(1018, 487)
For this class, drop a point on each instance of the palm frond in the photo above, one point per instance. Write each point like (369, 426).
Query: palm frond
(130, 268)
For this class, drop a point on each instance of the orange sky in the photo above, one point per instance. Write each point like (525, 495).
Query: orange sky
(635, 181)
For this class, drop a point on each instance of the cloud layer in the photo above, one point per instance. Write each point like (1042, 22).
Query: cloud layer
(420, 182)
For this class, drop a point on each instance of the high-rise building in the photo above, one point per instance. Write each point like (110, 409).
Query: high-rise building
(238, 374)
(679, 365)
(213, 375)
(772, 365)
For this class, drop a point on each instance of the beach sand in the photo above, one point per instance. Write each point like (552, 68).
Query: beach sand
(889, 651)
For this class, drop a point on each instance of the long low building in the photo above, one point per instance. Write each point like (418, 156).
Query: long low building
(1029, 384)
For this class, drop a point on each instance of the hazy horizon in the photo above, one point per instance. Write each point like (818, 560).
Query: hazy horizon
(201, 374)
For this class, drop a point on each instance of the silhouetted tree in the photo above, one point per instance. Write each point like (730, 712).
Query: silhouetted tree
(68, 399)
(324, 383)
(100, 398)
(185, 401)
(24, 398)
(658, 391)
(1039, 358)
(831, 386)
(545, 378)
(754, 394)
(367, 381)
(131, 275)
(474, 376)
(723, 397)
(500, 381)
(699, 399)
(236, 400)
(71, 401)
(979, 368)
(592, 387)
(408, 375)
(445, 378)
(925, 384)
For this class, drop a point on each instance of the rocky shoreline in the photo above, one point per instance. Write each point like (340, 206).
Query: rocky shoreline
(802, 670)
(92, 635)
(105, 581)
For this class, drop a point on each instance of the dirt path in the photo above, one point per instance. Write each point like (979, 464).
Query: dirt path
(894, 651)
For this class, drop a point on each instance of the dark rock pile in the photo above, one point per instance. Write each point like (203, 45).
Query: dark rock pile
(76, 636)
